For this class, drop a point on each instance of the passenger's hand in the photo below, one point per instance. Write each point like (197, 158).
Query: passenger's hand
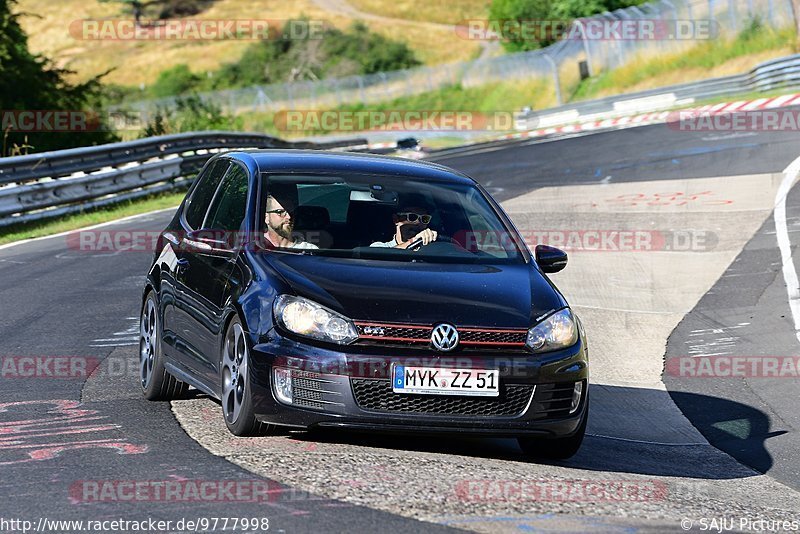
(427, 236)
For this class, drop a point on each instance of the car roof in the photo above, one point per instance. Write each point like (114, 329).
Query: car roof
(271, 160)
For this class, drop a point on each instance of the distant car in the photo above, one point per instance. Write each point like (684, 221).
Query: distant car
(408, 143)
(279, 288)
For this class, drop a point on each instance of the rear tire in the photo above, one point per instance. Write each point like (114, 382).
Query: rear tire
(557, 448)
(157, 384)
(237, 395)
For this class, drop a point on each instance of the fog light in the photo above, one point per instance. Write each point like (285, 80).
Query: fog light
(283, 384)
(576, 396)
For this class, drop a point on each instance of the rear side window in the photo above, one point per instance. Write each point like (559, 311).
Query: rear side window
(229, 206)
(201, 197)
(334, 197)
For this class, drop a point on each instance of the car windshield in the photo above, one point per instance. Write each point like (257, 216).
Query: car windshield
(384, 218)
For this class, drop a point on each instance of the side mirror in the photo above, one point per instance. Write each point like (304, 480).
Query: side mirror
(550, 259)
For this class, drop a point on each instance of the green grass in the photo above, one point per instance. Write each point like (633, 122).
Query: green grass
(756, 38)
(495, 97)
(75, 221)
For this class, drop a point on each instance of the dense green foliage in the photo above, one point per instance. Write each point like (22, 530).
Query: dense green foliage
(535, 11)
(30, 83)
(329, 53)
(190, 114)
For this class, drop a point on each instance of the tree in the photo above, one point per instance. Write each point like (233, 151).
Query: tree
(167, 8)
(29, 82)
(190, 114)
(538, 11)
(136, 7)
(502, 11)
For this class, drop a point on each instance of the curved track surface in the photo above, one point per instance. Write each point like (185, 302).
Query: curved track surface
(703, 204)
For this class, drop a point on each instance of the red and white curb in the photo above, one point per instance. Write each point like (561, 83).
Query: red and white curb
(662, 116)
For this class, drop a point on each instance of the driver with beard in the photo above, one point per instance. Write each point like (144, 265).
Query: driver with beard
(280, 223)
(411, 223)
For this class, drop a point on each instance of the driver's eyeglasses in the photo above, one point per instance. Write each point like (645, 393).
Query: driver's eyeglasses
(414, 217)
(280, 212)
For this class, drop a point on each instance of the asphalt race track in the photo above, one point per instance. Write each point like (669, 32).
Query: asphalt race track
(702, 275)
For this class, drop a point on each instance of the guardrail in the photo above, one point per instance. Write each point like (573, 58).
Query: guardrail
(781, 73)
(40, 186)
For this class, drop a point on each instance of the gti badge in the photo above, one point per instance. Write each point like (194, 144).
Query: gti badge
(374, 331)
(444, 337)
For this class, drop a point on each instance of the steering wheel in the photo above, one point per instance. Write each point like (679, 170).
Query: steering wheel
(417, 243)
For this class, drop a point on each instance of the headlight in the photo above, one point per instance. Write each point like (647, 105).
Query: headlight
(307, 318)
(556, 332)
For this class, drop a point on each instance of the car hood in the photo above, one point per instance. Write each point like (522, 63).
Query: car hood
(510, 296)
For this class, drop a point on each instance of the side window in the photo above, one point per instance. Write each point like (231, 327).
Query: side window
(201, 197)
(485, 235)
(229, 206)
(334, 198)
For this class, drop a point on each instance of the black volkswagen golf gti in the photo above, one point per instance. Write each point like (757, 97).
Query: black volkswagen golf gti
(311, 289)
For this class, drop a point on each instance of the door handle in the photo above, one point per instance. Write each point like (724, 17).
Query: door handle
(181, 265)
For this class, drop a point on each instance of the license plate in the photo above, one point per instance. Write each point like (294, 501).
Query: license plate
(438, 381)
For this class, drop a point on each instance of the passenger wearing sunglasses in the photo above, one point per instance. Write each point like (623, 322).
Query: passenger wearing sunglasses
(280, 224)
(411, 223)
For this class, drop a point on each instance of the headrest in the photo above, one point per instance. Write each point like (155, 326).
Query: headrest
(312, 218)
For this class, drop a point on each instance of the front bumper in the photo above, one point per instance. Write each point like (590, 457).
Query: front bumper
(348, 389)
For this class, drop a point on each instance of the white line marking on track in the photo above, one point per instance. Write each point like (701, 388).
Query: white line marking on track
(62, 234)
(790, 174)
(624, 310)
(647, 442)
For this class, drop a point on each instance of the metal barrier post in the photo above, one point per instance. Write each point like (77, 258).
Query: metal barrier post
(556, 81)
(586, 50)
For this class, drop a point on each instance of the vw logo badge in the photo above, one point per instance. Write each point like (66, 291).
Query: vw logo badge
(444, 337)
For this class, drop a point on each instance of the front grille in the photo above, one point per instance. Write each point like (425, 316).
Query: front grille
(412, 334)
(491, 337)
(308, 393)
(552, 401)
(421, 334)
(377, 395)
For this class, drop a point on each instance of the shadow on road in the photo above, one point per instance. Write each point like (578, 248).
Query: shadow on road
(737, 429)
(621, 421)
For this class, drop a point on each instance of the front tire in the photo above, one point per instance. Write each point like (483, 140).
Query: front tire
(157, 384)
(237, 396)
(558, 448)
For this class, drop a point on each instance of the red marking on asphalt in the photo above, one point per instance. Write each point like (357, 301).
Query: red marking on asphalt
(63, 418)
